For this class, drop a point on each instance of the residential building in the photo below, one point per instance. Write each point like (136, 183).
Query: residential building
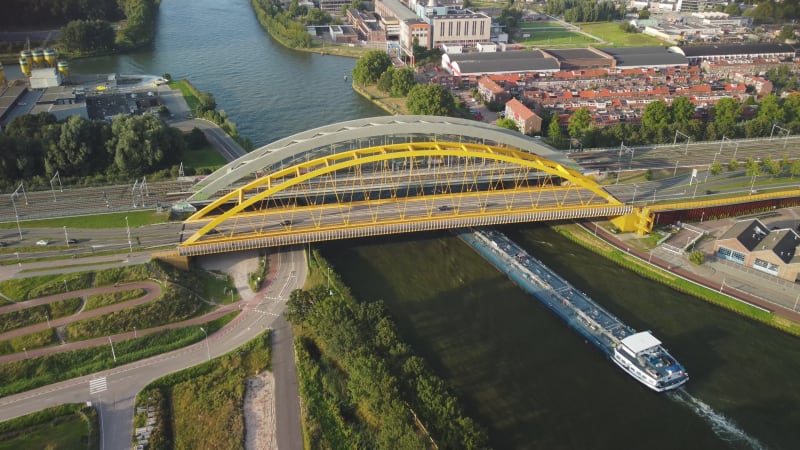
(491, 91)
(527, 121)
(751, 244)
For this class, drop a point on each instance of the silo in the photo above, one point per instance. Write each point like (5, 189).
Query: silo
(63, 68)
(24, 66)
(28, 55)
(50, 57)
(38, 57)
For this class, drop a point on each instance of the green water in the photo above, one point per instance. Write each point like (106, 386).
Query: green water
(534, 383)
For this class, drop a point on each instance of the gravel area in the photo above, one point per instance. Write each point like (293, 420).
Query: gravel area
(259, 413)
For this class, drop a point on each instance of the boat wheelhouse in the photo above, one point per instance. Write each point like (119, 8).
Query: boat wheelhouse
(643, 357)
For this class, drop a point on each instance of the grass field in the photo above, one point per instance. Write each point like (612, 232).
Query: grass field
(205, 401)
(611, 33)
(205, 157)
(187, 91)
(538, 25)
(555, 37)
(67, 430)
(113, 220)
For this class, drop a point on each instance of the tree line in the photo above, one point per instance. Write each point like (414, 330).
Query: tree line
(660, 122)
(94, 35)
(362, 385)
(34, 147)
(281, 24)
(54, 13)
(585, 10)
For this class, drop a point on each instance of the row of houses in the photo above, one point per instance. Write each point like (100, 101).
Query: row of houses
(615, 85)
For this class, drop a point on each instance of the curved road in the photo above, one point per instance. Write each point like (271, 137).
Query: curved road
(260, 311)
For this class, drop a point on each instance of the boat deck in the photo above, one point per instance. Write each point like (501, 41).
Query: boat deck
(597, 325)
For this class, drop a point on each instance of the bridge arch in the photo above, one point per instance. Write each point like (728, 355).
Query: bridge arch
(353, 134)
(524, 186)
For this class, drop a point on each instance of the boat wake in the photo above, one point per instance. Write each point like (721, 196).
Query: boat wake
(722, 426)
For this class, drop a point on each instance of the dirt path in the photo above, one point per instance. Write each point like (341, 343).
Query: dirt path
(259, 412)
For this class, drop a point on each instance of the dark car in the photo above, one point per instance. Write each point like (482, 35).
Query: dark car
(286, 223)
(72, 241)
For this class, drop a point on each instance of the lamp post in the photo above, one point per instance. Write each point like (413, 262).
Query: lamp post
(47, 317)
(19, 263)
(66, 236)
(128, 229)
(113, 354)
(16, 215)
(25, 349)
(208, 349)
(330, 291)
(134, 332)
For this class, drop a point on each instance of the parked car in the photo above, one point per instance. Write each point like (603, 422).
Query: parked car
(72, 241)
(42, 242)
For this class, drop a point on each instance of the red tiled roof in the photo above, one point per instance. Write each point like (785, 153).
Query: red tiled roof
(519, 109)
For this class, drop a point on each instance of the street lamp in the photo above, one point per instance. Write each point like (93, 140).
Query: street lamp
(66, 236)
(208, 349)
(128, 229)
(330, 291)
(16, 215)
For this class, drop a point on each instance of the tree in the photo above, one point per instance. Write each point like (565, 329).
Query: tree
(733, 165)
(794, 169)
(316, 16)
(697, 257)
(716, 168)
(385, 81)
(733, 9)
(370, 67)
(644, 14)
(681, 110)
(554, 131)
(726, 113)
(770, 109)
(656, 116)
(787, 32)
(430, 99)
(507, 123)
(579, 122)
(87, 36)
(402, 82)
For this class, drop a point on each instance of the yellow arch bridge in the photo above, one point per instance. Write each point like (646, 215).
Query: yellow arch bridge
(395, 188)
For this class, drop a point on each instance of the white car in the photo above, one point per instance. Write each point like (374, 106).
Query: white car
(42, 242)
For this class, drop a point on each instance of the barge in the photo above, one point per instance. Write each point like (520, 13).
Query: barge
(639, 354)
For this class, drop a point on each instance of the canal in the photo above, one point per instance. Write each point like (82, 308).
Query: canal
(269, 91)
(536, 384)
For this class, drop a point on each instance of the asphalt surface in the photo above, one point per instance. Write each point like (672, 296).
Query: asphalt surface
(259, 312)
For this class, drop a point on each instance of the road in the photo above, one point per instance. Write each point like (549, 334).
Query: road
(116, 405)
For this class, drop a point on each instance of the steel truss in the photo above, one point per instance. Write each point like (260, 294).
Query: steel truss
(396, 188)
